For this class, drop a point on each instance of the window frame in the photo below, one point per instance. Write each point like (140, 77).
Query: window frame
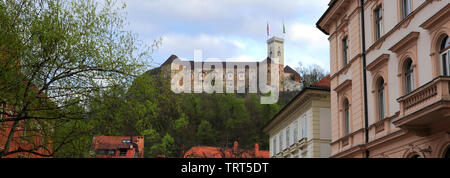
(409, 76)
(381, 94)
(274, 143)
(444, 53)
(406, 11)
(287, 137)
(346, 117)
(295, 134)
(378, 22)
(121, 153)
(304, 134)
(345, 50)
(280, 141)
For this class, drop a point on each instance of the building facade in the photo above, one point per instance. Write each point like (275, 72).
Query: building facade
(302, 129)
(118, 146)
(390, 79)
(30, 139)
(289, 79)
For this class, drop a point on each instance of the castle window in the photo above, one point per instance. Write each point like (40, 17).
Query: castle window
(279, 51)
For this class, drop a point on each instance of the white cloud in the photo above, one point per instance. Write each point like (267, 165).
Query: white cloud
(231, 28)
(306, 34)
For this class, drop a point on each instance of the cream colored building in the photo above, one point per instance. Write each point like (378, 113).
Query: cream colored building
(302, 128)
(389, 77)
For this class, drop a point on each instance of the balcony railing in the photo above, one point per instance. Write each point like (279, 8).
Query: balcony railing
(434, 91)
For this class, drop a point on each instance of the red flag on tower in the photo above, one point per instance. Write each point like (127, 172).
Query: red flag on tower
(268, 29)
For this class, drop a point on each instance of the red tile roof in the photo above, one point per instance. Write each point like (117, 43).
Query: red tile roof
(325, 82)
(217, 152)
(112, 142)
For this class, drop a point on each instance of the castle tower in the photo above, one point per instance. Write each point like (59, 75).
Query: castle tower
(275, 49)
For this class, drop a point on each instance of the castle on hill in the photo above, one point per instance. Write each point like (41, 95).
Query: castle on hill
(289, 79)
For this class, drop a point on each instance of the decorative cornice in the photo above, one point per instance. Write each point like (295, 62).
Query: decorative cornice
(379, 42)
(332, 13)
(343, 85)
(348, 136)
(385, 138)
(378, 62)
(408, 40)
(344, 69)
(437, 18)
(346, 152)
(385, 119)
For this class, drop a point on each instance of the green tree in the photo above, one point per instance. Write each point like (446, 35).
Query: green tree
(311, 74)
(205, 133)
(57, 57)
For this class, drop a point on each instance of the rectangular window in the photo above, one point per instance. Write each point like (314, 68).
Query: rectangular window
(444, 65)
(304, 127)
(345, 50)
(409, 83)
(406, 7)
(446, 58)
(112, 152)
(287, 137)
(295, 127)
(378, 22)
(274, 145)
(101, 152)
(281, 142)
(123, 152)
(381, 104)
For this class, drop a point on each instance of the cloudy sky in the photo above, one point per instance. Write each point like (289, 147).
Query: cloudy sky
(231, 28)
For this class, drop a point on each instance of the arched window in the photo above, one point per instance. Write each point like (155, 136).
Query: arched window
(381, 102)
(346, 117)
(409, 76)
(445, 53)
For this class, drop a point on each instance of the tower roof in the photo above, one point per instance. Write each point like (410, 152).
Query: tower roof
(275, 39)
